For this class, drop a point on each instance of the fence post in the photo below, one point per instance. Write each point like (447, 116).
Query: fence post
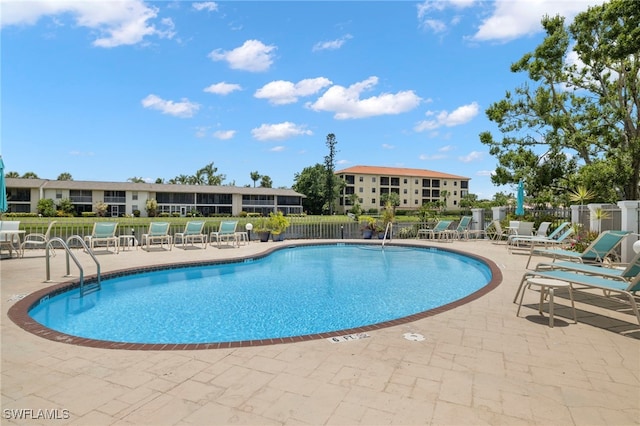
(630, 212)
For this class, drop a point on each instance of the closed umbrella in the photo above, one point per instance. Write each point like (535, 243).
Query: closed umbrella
(3, 189)
(520, 200)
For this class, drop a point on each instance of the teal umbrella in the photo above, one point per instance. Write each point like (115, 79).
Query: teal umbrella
(3, 189)
(520, 200)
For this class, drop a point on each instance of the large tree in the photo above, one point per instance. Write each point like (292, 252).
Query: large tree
(576, 122)
(329, 163)
(311, 182)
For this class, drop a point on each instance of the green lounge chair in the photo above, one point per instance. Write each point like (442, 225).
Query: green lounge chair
(597, 251)
(438, 231)
(103, 232)
(462, 230)
(158, 233)
(226, 232)
(626, 284)
(192, 233)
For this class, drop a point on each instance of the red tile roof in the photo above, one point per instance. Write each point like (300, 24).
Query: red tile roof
(398, 171)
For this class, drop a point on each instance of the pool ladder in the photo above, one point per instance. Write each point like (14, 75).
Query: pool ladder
(387, 231)
(84, 289)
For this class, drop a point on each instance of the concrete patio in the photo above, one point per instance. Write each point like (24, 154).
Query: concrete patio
(478, 364)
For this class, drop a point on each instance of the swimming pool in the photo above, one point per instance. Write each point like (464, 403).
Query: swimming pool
(311, 290)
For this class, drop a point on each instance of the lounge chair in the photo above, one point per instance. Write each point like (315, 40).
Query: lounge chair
(462, 230)
(498, 233)
(597, 251)
(226, 232)
(543, 229)
(438, 231)
(626, 284)
(103, 232)
(535, 243)
(192, 233)
(158, 233)
(10, 238)
(37, 240)
(630, 270)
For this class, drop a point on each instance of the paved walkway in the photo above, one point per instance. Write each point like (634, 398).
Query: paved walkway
(478, 364)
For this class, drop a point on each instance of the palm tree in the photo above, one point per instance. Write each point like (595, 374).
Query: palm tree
(266, 182)
(65, 176)
(255, 176)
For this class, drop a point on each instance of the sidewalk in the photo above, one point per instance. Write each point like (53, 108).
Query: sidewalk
(478, 364)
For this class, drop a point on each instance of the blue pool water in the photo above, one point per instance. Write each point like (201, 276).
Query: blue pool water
(291, 292)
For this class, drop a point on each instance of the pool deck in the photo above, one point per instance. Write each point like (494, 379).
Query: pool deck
(478, 364)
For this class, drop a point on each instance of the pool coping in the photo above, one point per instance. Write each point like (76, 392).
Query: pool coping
(19, 312)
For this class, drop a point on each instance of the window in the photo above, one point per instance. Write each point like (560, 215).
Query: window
(406, 181)
(415, 191)
(404, 201)
(405, 191)
(455, 183)
(384, 181)
(58, 194)
(455, 192)
(373, 201)
(361, 178)
(444, 183)
(395, 181)
(416, 181)
(464, 184)
(373, 179)
(350, 179)
(373, 190)
(134, 196)
(435, 183)
(361, 189)
(426, 183)
(415, 202)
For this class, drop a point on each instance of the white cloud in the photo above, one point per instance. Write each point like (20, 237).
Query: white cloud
(388, 146)
(505, 19)
(282, 92)
(485, 173)
(209, 6)
(279, 131)
(432, 157)
(224, 134)
(253, 56)
(222, 88)
(183, 109)
(460, 115)
(332, 44)
(472, 156)
(201, 131)
(116, 23)
(345, 102)
(278, 148)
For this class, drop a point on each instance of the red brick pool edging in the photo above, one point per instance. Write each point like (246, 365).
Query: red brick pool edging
(19, 312)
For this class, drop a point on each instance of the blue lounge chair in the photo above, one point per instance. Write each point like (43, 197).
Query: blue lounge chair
(626, 284)
(226, 232)
(597, 251)
(192, 233)
(631, 270)
(158, 233)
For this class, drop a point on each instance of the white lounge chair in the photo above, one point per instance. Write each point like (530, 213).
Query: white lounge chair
(10, 238)
(37, 240)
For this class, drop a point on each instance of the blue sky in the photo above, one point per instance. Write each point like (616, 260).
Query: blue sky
(113, 90)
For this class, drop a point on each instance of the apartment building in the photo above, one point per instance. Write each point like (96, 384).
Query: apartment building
(123, 198)
(415, 187)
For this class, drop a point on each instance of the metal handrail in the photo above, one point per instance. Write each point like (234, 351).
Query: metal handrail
(387, 231)
(69, 253)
